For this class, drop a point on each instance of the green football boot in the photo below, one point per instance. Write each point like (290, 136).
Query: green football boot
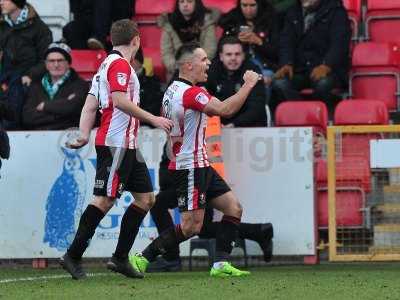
(138, 262)
(227, 270)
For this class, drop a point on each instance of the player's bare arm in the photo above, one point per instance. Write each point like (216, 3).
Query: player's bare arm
(232, 105)
(88, 117)
(121, 102)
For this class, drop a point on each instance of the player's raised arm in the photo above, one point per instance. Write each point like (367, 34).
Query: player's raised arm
(232, 105)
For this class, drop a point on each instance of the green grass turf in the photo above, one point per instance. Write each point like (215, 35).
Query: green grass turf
(328, 281)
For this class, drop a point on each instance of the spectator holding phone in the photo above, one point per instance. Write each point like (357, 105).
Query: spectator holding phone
(255, 24)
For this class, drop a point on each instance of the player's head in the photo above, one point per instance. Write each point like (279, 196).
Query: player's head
(125, 33)
(192, 62)
(231, 53)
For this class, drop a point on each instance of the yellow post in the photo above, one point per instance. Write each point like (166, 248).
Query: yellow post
(331, 135)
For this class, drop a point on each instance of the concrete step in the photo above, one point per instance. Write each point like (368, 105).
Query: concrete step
(388, 213)
(387, 235)
(391, 193)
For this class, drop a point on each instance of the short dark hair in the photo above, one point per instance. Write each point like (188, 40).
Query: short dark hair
(228, 40)
(186, 49)
(123, 31)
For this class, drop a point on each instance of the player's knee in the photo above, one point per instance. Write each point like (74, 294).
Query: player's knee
(237, 210)
(151, 200)
(189, 228)
(146, 201)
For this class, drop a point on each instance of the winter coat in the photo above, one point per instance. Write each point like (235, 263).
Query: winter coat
(327, 40)
(151, 95)
(222, 85)
(60, 113)
(170, 41)
(268, 31)
(24, 46)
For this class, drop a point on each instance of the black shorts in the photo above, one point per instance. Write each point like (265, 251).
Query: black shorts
(120, 169)
(194, 187)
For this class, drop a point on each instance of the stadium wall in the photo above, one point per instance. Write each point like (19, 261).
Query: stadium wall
(44, 188)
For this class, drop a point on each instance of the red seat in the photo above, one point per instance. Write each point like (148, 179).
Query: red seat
(302, 113)
(359, 112)
(147, 11)
(353, 180)
(376, 65)
(349, 204)
(150, 36)
(87, 62)
(353, 8)
(382, 21)
(222, 5)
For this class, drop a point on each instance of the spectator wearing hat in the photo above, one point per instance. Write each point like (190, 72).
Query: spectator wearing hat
(24, 39)
(151, 93)
(56, 100)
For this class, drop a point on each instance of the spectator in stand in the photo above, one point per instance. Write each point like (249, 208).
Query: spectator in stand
(24, 39)
(92, 22)
(314, 51)
(281, 7)
(56, 100)
(255, 24)
(190, 21)
(151, 93)
(225, 77)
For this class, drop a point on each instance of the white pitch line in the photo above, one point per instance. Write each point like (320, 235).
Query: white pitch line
(38, 278)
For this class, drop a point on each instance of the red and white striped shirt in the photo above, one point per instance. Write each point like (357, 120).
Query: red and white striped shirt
(183, 103)
(117, 129)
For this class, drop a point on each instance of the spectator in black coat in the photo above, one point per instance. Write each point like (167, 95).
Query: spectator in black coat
(55, 101)
(225, 77)
(24, 39)
(151, 93)
(92, 22)
(314, 50)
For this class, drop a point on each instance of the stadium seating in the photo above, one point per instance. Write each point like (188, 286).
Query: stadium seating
(86, 62)
(222, 5)
(353, 173)
(302, 113)
(375, 73)
(359, 112)
(382, 21)
(353, 8)
(148, 11)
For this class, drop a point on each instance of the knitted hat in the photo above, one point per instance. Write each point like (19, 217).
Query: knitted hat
(19, 3)
(60, 48)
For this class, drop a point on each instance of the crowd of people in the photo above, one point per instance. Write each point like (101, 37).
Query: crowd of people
(294, 44)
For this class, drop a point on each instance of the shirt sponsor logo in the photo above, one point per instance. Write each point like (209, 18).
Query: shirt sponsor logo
(122, 78)
(202, 98)
(99, 184)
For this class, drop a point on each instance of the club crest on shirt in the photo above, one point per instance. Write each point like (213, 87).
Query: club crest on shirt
(201, 98)
(121, 78)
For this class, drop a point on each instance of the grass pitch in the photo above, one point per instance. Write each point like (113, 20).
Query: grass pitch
(328, 281)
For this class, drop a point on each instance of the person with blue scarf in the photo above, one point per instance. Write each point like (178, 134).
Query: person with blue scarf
(55, 101)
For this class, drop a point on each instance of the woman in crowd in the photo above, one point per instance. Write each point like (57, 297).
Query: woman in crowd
(190, 21)
(254, 22)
